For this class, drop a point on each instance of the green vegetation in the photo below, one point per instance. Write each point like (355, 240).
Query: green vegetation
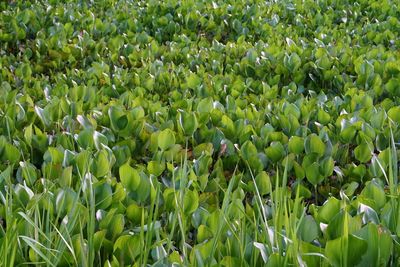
(199, 133)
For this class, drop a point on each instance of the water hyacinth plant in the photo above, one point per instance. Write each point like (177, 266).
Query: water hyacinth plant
(199, 133)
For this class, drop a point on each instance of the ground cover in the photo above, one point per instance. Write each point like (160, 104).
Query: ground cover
(199, 133)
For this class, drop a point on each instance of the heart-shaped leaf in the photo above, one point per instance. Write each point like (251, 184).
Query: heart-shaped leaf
(296, 145)
(187, 122)
(315, 145)
(363, 152)
(308, 229)
(166, 139)
(313, 175)
(130, 177)
(190, 202)
(275, 151)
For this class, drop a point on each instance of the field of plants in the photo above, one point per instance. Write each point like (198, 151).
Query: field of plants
(200, 133)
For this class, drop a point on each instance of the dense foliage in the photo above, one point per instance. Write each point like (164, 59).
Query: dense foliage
(206, 133)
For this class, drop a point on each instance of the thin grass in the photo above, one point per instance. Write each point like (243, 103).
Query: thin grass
(9, 245)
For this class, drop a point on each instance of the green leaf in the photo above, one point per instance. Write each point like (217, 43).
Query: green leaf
(227, 125)
(304, 192)
(298, 170)
(292, 62)
(359, 171)
(275, 259)
(98, 238)
(118, 118)
(203, 233)
(100, 140)
(342, 223)
(382, 142)
(262, 249)
(116, 226)
(119, 193)
(292, 109)
(190, 202)
(350, 188)
(313, 255)
(308, 229)
(103, 195)
(203, 148)
(205, 105)
(288, 161)
(84, 122)
(351, 246)
(296, 145)
(82, 162)
(85, 138)
(368, 213)
(143, 191)
(374, 191)
(275, 151)
(130, 177)
(376, 166)
(313, 175)
(44, 116)
(156, 168)
(348, 133)
(380, 245)
(66, 177)
(23, 194)
(28, 133)
(314, 144)
(5, 175)
(393, 86)
(263, 183)
(309, 159)
(237, 26)
(101, 165)
(323, 117)
(28, 172)
(328, 210)
(53, 155)
(187, 122)
(363, 153)
(249, 151)
(193, 81)
(326, 166)
(65, 201)
(378, 119)
(166, 139)
(175, 257)
(11, 154)
(394, 114)
(127, 248)
(134, 213)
